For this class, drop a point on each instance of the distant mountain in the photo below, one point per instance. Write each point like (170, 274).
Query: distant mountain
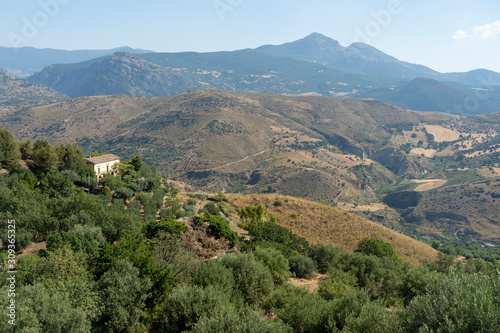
(25, 61)
(431, 95)
(16, 92)
(365, 59)
(158, 74)
(315, 65)
(120, 74)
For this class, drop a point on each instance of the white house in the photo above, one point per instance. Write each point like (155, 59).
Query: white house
(102, 165)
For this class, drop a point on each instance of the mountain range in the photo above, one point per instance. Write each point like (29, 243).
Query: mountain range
(314, 65)
(26, 61)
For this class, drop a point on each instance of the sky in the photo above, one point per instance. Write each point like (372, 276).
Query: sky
(446, 35)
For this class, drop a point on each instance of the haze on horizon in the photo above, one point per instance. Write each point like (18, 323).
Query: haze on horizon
(448, 36)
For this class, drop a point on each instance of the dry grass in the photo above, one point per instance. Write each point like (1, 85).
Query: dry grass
(427, 152)
(320, 223)
(374, 207)
(442, 134)
(428, 184)
(311, 284)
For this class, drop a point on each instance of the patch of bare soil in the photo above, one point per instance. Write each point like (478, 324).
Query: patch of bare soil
(33, 248)
(311, 284)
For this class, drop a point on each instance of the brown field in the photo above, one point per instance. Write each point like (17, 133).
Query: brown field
(427, 152)
(442, 134)
(320, 223)
(428, 184)
(374, 207)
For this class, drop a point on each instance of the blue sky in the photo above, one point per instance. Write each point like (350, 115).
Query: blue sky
(445, 35)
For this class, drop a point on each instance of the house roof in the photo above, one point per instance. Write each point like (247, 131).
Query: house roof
(103, 159)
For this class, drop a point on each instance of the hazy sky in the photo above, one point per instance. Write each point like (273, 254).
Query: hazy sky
(446, 35)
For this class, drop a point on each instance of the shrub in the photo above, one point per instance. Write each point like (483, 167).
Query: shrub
(252, 279)
(218, 228)
(112, 182)
(338, 284)
(124, 193)
(300, 309)
(168, 225)
(234, 319)
(272, 232)
(143, 197)
(275, 261)
(185, 306)
(456, 303)
(278, 203)
(301, 266)
(325, 256)
(212, 209)
(214, 273)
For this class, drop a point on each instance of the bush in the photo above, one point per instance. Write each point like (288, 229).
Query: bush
(212, 209)
(272, 232)
(214, 273)
(233, 319)
(278, 203)
(275, 261)
(325, 256)
(252, 279)
(112, 182)
(168, 225)
(299, 308)
(123, 193)
(338, 284)
(185, 306)
(456, 303)
(218, 228)
(301, 266)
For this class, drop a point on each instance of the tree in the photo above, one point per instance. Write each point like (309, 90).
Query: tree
(137, 163)
(123, 294)
(26, 150)
(376, 247)
(71, 157)
(126, 171)
(9, 148)
(45, 156)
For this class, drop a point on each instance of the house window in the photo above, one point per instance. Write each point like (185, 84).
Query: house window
(98, 170)
(107, 168)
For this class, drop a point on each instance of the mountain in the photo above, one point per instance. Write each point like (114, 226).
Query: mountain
(122, 73)
(365, 59)
(16, 92)
(358, 57)
(25, 61)
(158, 74)
(430, 95)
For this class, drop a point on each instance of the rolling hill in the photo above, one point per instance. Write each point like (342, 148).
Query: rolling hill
(16, 92)
(350, 153)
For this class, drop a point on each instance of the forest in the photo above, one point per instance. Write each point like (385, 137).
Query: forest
(120, 257)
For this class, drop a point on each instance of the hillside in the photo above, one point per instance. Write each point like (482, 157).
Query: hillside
(17, 92)
(319, 223)
(349, 153)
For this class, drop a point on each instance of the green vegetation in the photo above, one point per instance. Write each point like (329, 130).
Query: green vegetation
(111, 265)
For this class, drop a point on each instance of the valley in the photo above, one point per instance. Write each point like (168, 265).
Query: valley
(348, 153)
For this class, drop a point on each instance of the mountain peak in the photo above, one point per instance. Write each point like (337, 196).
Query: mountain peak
(314, 46)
